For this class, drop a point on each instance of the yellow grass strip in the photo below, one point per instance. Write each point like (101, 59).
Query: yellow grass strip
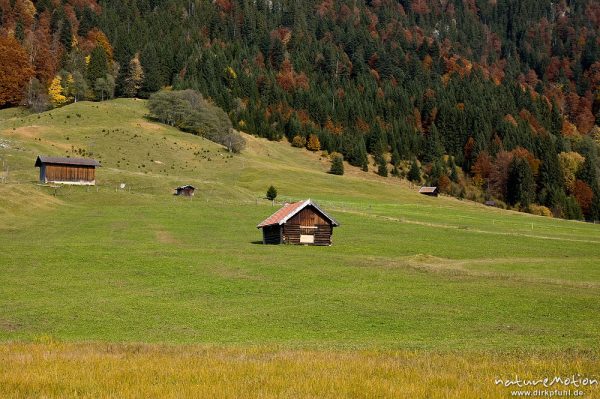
(100, 370)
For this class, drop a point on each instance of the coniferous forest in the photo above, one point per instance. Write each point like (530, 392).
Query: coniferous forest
(491, 100)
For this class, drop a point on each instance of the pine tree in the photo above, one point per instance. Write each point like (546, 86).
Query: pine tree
(436, 172)
(66, 35)
(382, 166)
(134, 77)
(337, 165)
(98, 65)
(433, 145)
(271, 193)
(414, 174)
(395, 158)
(520, 186)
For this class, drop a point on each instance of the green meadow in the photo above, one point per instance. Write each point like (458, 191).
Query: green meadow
(137, 265)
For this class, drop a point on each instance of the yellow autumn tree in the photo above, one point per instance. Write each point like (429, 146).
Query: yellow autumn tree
(56, 92)
(570, 163)
(134, 77)
(313, 143)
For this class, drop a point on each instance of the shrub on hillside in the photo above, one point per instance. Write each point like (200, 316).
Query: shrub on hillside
(540, 210)
(298, 141)
(190, 112)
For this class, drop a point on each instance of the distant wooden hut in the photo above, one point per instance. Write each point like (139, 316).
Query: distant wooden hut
(298, 223)
(431, 191)
(79, 171)
(186, 191)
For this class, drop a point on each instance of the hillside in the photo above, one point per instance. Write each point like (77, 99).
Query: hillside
(495, 100)
(138, 266)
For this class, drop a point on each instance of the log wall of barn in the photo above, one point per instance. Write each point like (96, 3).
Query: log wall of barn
(308, 222)
(69, 173)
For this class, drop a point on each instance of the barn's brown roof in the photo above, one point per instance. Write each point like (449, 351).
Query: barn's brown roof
(66, 161)
(428, 189)
(289, 210)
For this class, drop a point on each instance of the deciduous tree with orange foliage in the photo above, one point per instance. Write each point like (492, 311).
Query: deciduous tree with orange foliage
(583, 194)
(15, 71)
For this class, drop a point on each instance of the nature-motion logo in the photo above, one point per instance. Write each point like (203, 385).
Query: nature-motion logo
(558, 386)
(575, 381)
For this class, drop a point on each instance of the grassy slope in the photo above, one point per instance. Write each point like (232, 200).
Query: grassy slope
(405, 271)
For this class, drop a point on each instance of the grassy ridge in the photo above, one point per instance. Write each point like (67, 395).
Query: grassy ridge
(406, 272)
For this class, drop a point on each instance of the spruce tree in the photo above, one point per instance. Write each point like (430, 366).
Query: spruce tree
(433, 145)
(520, 186)
(414, 174)
(66, 35)
(98, 66)
(382, 166)
(337, 165)
(271, 193)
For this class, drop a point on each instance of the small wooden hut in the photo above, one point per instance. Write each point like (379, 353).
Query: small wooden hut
(79, 171)
(431, 191)
(186, 191)
(298, 223)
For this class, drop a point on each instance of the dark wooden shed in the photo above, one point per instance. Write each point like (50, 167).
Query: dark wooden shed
(431, 191)
(298, 223)
(186, 191)
(81, 171)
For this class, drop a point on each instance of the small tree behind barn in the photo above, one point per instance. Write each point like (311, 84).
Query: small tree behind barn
(271, 193)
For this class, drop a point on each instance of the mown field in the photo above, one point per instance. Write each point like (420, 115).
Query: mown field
(140, 286)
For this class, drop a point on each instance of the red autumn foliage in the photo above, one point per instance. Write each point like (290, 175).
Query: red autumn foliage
(289, 80)
(533, 162)
(471, 6)
(532, 121)
(96, 37)
(593, 13)
(282, 34)
(362, 126)
(511, 119)
(38, 45)
(444, 184)
(15, 71)
(335, 128)
(499, 174)
(469, 147)
(420, 7)
(583, 194)
(225, 6)
(482, 166)
(325, 8)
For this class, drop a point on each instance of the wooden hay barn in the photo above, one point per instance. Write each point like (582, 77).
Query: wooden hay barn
(431, 191)
(298, 223)
(79, 171)
(186, 191)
